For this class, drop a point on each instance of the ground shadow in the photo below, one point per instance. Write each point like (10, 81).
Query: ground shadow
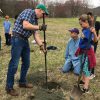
(51, 92)
(39, 79)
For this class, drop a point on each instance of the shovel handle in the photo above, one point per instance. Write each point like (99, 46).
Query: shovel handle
(45, 53)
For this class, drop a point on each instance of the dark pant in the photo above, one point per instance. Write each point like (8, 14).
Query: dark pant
(95, 48)
(8, 38)
(20, 48)
(92, 71)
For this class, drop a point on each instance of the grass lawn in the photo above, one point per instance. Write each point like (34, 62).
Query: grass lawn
(57, 35)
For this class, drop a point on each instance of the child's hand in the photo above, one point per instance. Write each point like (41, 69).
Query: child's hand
(92, 29)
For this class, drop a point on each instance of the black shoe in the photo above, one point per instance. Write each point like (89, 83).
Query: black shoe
(81, 82)
(85, 90)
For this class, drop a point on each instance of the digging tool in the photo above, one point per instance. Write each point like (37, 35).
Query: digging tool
(45, 54)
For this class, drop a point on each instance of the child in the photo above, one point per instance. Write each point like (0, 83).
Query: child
(85, 48)
(71, 59)
(7, 26)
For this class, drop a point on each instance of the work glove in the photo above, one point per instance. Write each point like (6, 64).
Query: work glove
(42, 27)
(43, 49)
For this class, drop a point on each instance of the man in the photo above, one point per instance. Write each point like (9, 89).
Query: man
(7, 26)
(96, 24)
(26, 24)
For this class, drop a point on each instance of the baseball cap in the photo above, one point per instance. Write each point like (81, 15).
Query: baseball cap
(42, 7)
(74, 30)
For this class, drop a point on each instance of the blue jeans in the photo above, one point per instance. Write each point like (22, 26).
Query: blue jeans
(20, 48)
(76, 64)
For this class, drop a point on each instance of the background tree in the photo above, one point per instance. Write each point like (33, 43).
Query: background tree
(70, 8)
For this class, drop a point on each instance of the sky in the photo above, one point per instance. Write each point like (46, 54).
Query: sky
(93, 3)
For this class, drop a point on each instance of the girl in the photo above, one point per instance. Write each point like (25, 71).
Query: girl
(87, 37)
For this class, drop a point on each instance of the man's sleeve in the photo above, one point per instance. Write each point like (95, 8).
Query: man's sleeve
(26, 15)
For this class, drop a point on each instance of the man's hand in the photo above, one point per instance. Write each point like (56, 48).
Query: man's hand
(43, 49)
(43, 27)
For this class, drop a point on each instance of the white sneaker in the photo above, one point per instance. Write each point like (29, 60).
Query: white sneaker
(34, 42)
(92, 76)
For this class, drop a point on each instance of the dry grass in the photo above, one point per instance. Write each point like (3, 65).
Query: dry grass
(56, 35)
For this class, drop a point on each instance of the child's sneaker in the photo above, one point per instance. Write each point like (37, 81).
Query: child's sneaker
(92, 76)
(85, 90)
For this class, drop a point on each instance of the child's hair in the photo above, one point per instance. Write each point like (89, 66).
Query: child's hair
(6, 17)
(85, 17)
(90, 13)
